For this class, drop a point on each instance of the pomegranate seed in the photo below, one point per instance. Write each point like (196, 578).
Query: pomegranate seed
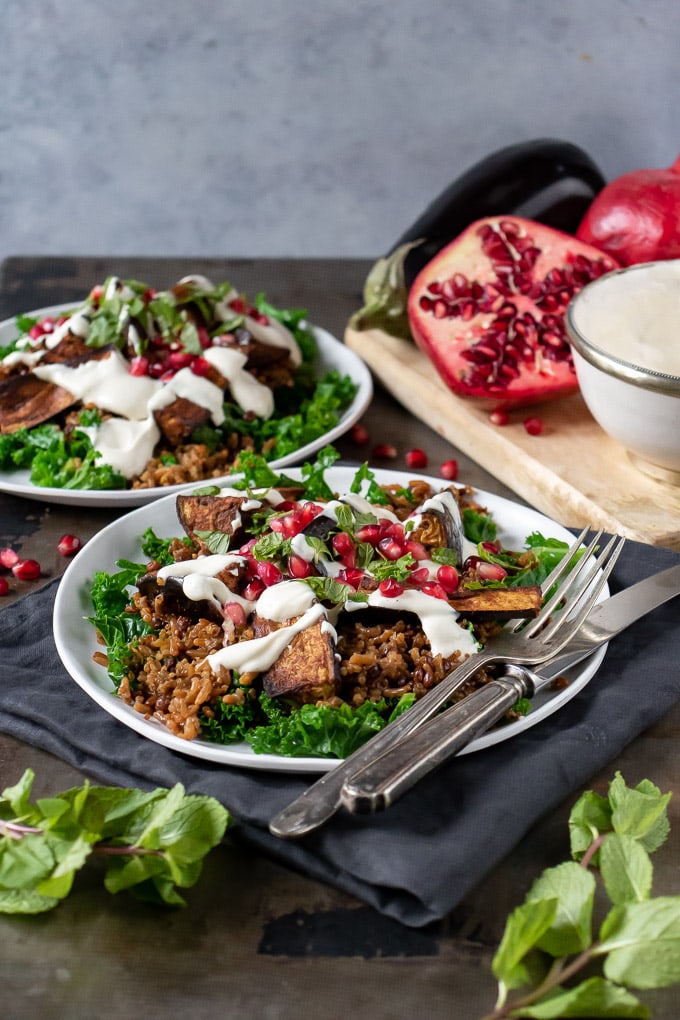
(180, 359)
(417, 550)
(204, 337)
(139, 365)
(435, 590)
(499, 417)
(419, 576)
(308, 512)
(491, 547)
(200, 366)
(359, 434)
(35, 332)
(390, 588)
(68, 545)
(252, 591)
(26, 570)
(369, 533)
(390, 549)
(342, 544)
(47, 324)
(384, 451)
(269, 573)
(449, 469)
(167, 375)
(236, 613)
(534, 426)
(4, 586)
(156, 369)
(298, 567)
(416, 458)
(393, 529)
(447, 576)
(490, 571)
(97, 293)
(8, 557)
(351, 576)
(238, 305)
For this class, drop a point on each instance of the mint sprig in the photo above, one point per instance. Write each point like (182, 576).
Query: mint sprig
(559, 929)
(154, 843)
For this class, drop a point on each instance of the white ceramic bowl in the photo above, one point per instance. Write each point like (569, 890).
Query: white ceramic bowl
(624, 330)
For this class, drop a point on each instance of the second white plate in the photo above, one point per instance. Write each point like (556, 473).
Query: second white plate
(332, 355)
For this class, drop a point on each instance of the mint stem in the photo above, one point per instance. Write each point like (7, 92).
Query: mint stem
(16, 831)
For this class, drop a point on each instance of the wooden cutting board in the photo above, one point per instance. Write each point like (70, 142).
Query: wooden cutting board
(573, 471)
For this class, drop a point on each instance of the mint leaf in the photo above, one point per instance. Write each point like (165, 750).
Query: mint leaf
(626, 869)
(590, 816)
(595, 997)
(642, 943)
(25, 901)
(639, 812)
(218, 542)
(523, 929)
(574, 890)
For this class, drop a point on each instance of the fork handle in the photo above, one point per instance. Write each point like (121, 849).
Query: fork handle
(385, 779)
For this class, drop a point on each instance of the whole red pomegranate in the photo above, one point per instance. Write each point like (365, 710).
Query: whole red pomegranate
(488, 310)
(636, 217)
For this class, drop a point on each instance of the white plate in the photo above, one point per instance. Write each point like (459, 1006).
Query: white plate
(76, 642)
(332, 354)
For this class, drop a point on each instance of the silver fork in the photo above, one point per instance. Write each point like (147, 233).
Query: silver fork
(577, 586)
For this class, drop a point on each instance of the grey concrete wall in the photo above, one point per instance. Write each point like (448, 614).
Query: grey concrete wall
(287, 127)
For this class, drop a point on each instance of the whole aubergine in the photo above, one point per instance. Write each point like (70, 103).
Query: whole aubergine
(546, 180)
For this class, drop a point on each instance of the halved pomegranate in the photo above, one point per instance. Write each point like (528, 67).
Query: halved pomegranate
(488, 310)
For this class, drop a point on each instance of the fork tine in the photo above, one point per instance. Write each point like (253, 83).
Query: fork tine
(571, 575)
(585, 598)
(567, 567)
(558, 571)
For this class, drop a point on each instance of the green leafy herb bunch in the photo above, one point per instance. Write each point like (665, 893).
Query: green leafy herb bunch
(153, 843)
(556, 958)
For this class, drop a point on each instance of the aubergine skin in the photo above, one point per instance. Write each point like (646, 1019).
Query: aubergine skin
(547, 180)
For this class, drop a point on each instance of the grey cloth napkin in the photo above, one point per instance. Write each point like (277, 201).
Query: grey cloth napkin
(417, 861)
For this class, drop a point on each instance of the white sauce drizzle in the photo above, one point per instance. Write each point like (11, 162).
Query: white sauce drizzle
(126, 445)
(105, 382)
(437, 617)
(261, 653)
(248, 392)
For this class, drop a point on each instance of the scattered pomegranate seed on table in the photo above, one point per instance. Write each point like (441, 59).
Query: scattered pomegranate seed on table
(449, 470)
(359, 434)
(68, 545)
(8, 557)
(384, 451)
(26, 570)
(416, 458)
(4, 586)
(499, 417)
(534, 426)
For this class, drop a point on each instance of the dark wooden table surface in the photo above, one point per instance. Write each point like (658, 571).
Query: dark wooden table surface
(257, 940)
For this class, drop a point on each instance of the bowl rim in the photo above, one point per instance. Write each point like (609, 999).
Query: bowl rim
(610, 364)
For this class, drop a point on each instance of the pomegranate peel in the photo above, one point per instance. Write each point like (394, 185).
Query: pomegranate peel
(488, 310)
(636, 217)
